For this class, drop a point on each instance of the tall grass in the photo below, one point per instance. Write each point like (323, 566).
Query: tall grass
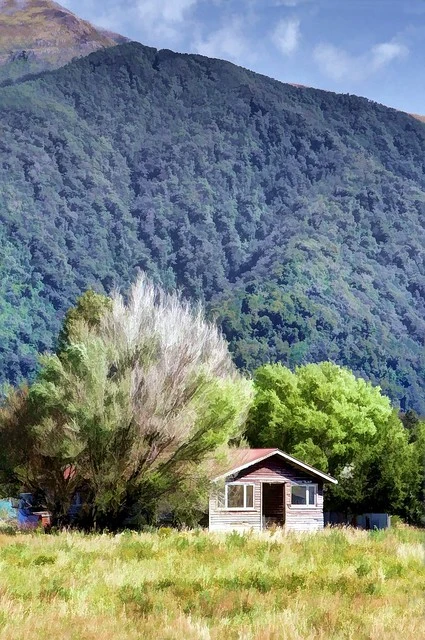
(335, 585)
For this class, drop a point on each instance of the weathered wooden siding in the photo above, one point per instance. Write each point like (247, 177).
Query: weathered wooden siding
(304, 518)
(243, 520)
(274, 469)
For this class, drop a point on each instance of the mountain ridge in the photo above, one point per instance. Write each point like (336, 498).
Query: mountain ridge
(23, 50)
(295, 214)
(418, 117)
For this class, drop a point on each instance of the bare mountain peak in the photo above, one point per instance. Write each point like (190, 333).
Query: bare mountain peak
(41, 34)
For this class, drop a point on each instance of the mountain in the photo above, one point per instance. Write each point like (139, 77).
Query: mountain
(297, 215)
(39, 34)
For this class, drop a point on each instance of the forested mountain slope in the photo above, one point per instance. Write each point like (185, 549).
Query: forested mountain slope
(297, 215)
(40, 34)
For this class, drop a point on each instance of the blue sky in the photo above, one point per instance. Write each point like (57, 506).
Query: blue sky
(374, 48)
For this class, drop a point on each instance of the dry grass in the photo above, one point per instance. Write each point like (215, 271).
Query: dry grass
(335, 585)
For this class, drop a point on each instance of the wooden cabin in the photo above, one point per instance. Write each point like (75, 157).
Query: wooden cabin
(264, 487)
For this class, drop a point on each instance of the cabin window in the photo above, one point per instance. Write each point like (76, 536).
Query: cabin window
(237, 496)
(304, 495)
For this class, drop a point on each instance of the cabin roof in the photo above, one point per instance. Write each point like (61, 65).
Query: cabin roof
(240, 459)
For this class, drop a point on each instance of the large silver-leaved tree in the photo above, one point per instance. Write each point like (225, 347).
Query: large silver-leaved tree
(135, 408)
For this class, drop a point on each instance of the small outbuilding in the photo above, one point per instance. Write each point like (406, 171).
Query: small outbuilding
(264, 487)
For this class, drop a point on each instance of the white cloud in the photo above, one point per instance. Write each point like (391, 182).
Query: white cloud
(171, 11)
(155, 22)
(286, 36)
(386, 52)
(334, 62)
(230, 42)
(164, 19)
(338, 64)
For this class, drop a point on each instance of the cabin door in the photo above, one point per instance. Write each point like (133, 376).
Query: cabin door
(273, 511)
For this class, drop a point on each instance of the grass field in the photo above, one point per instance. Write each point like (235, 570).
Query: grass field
(335, 585)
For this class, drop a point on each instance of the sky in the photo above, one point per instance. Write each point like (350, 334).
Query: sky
(372, 48)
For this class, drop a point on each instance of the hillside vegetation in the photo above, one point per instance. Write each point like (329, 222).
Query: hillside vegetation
(295, 214)
(336, 585)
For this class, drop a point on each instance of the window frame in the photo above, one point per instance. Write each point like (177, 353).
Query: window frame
(308, 505)
(244, 508)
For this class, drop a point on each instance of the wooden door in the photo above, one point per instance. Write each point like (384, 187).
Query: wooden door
(273, 511)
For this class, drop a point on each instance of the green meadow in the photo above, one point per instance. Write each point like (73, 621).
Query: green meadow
(339, 584)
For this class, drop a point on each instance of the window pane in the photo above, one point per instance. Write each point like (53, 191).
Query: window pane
(235, 496)
(249, 496)
(299, 495)
(312, 495)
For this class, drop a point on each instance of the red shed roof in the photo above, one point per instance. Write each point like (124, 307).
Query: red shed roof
(239, 459)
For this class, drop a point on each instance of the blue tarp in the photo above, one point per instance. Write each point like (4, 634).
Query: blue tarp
(7, 512)
(19, 511)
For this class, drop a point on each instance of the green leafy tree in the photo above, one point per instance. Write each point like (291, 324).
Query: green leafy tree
(89, 309)
(324, 415)
(415, 427)
(16, 441)
(137, 404)
(34, 458)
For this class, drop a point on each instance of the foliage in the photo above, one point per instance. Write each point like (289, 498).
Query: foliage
(416, 432)
(133, 409)
(88, 310)
(339, 585)
(24, 465)
(16, 440)
(324, 415)
(295, 214)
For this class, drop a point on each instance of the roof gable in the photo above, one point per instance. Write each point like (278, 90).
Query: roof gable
(244, 458)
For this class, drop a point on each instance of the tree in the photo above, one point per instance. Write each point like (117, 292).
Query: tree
(90, 309)
(15, 440)
(415, 427)
(137, 404)
(33, 459)
(324, 415)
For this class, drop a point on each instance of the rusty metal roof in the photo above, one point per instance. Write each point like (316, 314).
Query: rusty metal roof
(241, 457)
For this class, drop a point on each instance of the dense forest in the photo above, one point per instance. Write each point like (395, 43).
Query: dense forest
(295, 215)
